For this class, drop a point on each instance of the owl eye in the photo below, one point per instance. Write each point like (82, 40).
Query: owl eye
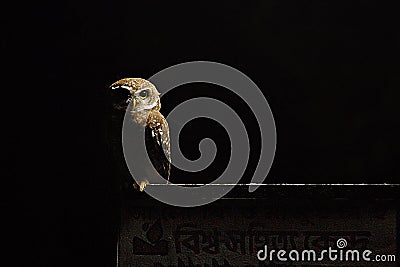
(143, 94)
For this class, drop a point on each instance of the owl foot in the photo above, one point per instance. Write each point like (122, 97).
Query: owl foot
(143, 185)
(140, 186)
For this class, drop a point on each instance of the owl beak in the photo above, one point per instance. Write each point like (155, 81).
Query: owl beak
(134, 102)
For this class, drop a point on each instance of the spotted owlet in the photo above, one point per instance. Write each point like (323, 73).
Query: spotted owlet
(146, 120)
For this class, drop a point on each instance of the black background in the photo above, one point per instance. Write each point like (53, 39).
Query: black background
(328, 71)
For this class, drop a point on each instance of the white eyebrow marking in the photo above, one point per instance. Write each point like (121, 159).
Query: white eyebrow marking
(125, 87)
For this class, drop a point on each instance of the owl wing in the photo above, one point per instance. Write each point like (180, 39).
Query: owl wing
(158, 143)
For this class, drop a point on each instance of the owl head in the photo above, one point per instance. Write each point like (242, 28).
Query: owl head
(142, 94)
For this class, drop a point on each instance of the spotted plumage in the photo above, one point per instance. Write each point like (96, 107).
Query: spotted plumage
(145, 118)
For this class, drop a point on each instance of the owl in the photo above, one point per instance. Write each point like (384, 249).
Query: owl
(144, 119)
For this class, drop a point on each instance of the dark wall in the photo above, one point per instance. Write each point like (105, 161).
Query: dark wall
(327, 71)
